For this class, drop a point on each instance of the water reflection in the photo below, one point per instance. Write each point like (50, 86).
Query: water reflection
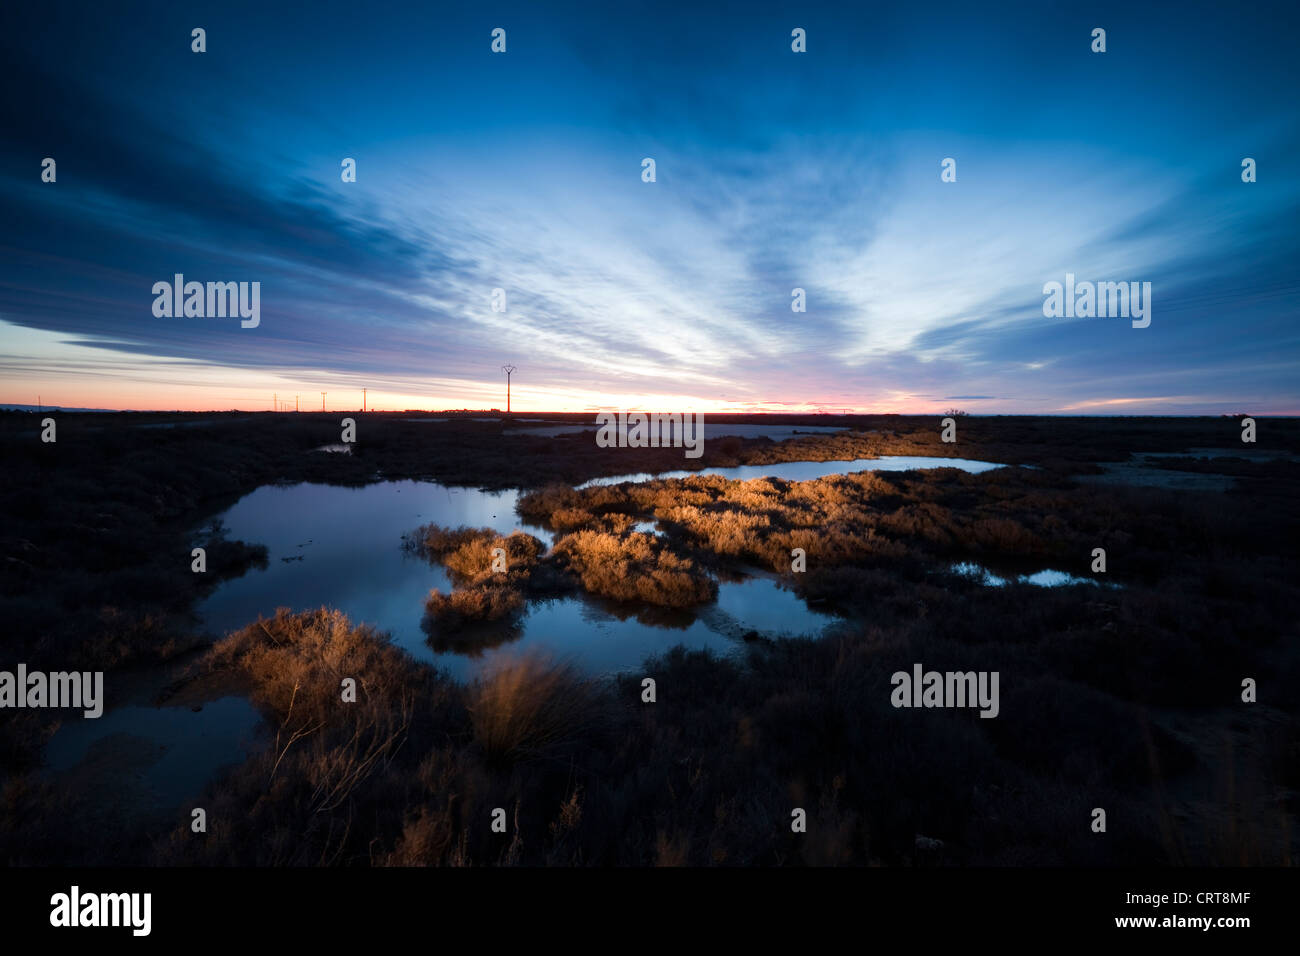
(808, 470)
(350, 540)
(1046, 578)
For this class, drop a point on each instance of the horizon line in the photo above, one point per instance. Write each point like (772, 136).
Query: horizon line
(496, 412)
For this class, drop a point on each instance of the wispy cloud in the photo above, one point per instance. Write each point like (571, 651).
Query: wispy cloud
(775, 172)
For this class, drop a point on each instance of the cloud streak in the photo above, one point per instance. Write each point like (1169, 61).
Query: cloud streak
(776, 171)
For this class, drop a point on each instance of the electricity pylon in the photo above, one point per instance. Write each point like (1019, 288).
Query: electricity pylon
(508, 369)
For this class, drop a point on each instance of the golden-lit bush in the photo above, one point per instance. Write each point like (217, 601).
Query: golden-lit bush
(635, 567)
(467, 553)
(472, 562)
(568, 519)
(466, 606)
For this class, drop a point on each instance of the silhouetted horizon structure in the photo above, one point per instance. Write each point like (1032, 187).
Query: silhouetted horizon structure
(508, 369)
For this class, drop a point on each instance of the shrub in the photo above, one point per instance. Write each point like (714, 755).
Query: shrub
(635, 567)
(528, 707)
(461, 608)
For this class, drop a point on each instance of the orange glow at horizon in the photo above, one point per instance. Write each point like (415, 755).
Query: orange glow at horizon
(44, 368)
(475, 396)
(53, 372)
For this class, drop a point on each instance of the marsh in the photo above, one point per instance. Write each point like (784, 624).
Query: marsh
(773, 679)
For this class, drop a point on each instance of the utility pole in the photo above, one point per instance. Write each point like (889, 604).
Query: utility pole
(363, 399)
(508, 369)
(322, 401)
(295, 403)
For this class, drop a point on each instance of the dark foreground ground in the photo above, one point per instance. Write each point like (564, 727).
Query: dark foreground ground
(1126, 699)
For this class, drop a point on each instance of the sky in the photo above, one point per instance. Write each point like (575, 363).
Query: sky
(774, 170)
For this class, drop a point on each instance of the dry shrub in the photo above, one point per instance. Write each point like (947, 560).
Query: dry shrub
(467, 552)
(539, 506)
(529, 707)
(435, 541)
(461, 608)
(296, 662)
(471, 562)
(568, 519)
(635, 567)
(329, 763)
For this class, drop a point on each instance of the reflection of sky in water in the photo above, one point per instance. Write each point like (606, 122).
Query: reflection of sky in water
(759, 604)
(350, 543)
(808, 470)
(349, 540)
(178, 749)
(1047, 578)
(576, 630)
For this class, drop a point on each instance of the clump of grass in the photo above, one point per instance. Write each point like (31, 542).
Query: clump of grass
(529, 707)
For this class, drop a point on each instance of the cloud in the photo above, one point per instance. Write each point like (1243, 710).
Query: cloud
(776, 171)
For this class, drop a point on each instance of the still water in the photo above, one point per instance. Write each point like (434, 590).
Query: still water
(808, 470)
(342, 547)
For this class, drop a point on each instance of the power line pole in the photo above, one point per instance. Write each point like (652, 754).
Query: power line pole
(295, 403)
(322, 401)
(363, 399)
(508, 369)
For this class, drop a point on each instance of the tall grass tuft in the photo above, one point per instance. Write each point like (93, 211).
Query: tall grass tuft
(529, 707)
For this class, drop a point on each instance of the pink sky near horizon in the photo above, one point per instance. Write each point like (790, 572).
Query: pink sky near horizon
(51, 371)
(146, 396)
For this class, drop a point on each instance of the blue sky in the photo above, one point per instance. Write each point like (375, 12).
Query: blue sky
(775, 170)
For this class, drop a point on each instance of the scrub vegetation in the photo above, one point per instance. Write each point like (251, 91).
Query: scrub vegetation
(1125, 697)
